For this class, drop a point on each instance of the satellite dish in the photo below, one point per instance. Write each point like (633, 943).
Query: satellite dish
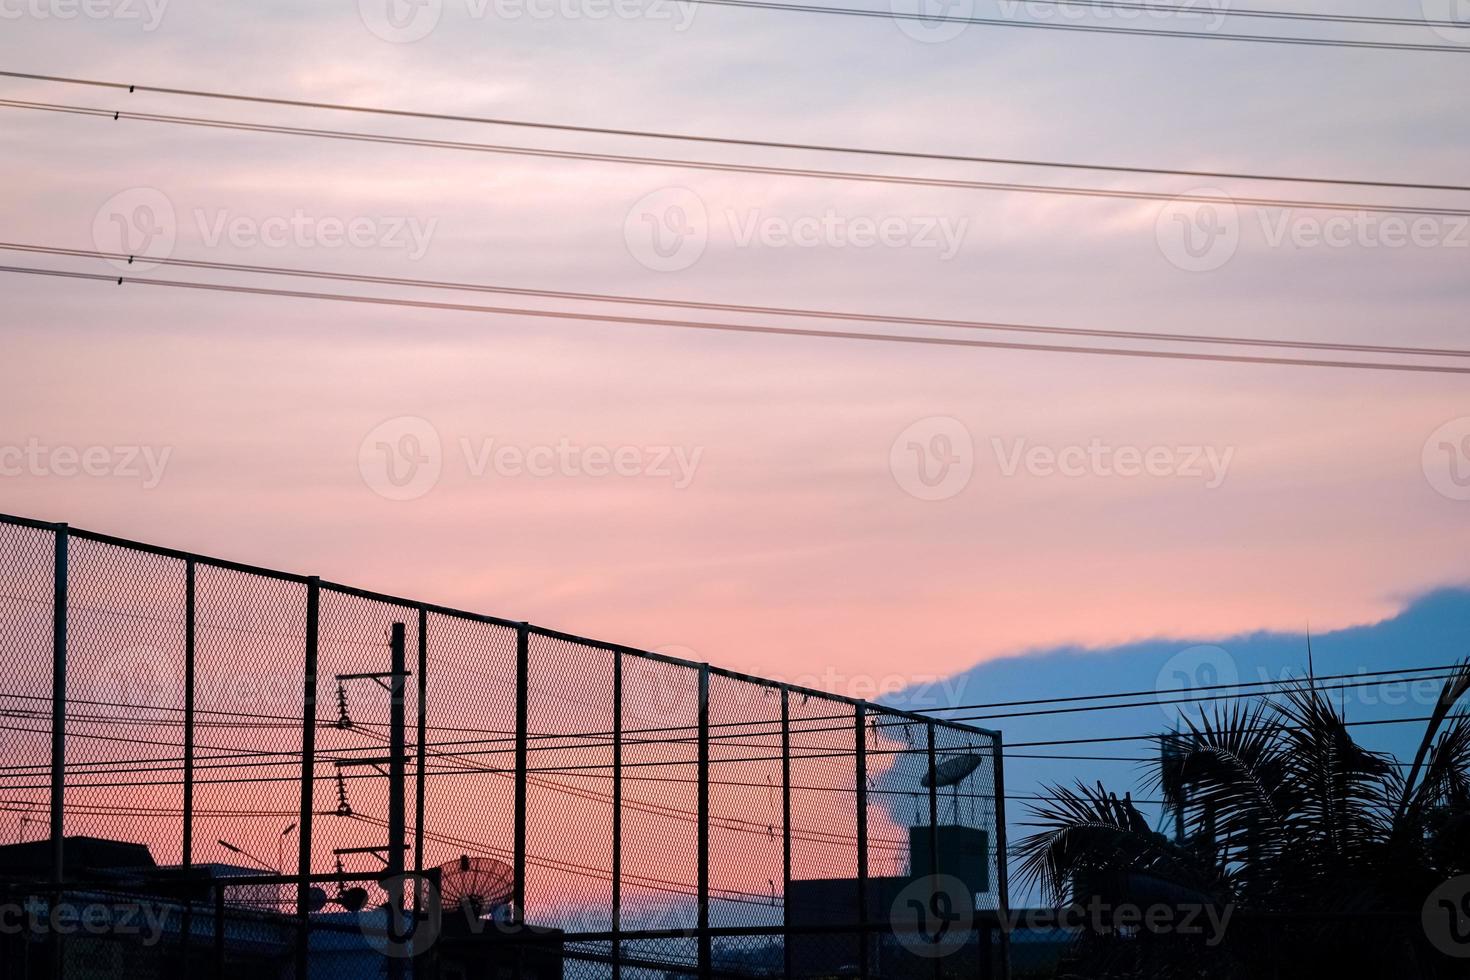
(952, 771)
(478, 884)
(353, 899)
(316, 899)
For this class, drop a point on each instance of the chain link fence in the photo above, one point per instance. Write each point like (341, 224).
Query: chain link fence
(304, 779)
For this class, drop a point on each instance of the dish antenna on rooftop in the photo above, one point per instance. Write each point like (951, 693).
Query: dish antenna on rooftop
(951, 772)
(479, 885)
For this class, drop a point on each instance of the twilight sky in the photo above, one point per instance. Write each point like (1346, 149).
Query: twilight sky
(776, 505)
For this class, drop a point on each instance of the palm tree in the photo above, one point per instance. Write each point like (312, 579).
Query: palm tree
(1287, 821)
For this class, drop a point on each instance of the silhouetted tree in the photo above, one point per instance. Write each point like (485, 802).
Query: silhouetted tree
(1324, 850)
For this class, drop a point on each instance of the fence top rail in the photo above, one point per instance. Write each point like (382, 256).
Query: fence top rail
(277, 574)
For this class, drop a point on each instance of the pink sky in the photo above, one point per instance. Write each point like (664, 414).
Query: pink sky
(794, 551)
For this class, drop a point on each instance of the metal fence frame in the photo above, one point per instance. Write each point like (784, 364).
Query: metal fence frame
(865, 726)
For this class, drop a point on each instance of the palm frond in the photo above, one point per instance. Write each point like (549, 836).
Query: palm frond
(1089, 832)
(1343, 791)
(1454, 689)
(1225, 777)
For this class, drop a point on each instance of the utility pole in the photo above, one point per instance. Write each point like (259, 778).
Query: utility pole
(396, 761)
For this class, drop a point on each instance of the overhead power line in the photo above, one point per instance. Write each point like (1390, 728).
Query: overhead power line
(1349, 682)
(1257, 13)
(929, 19)
(737, 141)
(744, 308)
(1283, 683)
(725, 167)
(750, 328)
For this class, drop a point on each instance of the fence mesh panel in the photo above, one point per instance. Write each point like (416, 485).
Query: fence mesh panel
(569, 792)
(747, 821)
(250, 637)
(26, 598)
(469, 779)
(678, 820)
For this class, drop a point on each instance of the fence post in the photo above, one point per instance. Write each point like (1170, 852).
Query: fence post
(933, 833)
(523, 686)
(308, 773)
(397, 805)
(786, 823)
(60, 581)
(617, 818)
(190, 639)
(423, 728)
(860, 757)
(706, 964)
(60, 596)
(219, 930)
(1002, 859)
(186, 929)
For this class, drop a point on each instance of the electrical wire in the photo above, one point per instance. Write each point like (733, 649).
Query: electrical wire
(364, 279)
(752, 328)
(725, 167)
(929, 19)
(772, 144)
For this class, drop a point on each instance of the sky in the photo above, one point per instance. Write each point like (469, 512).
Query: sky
(859, 517)
(915, 524)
